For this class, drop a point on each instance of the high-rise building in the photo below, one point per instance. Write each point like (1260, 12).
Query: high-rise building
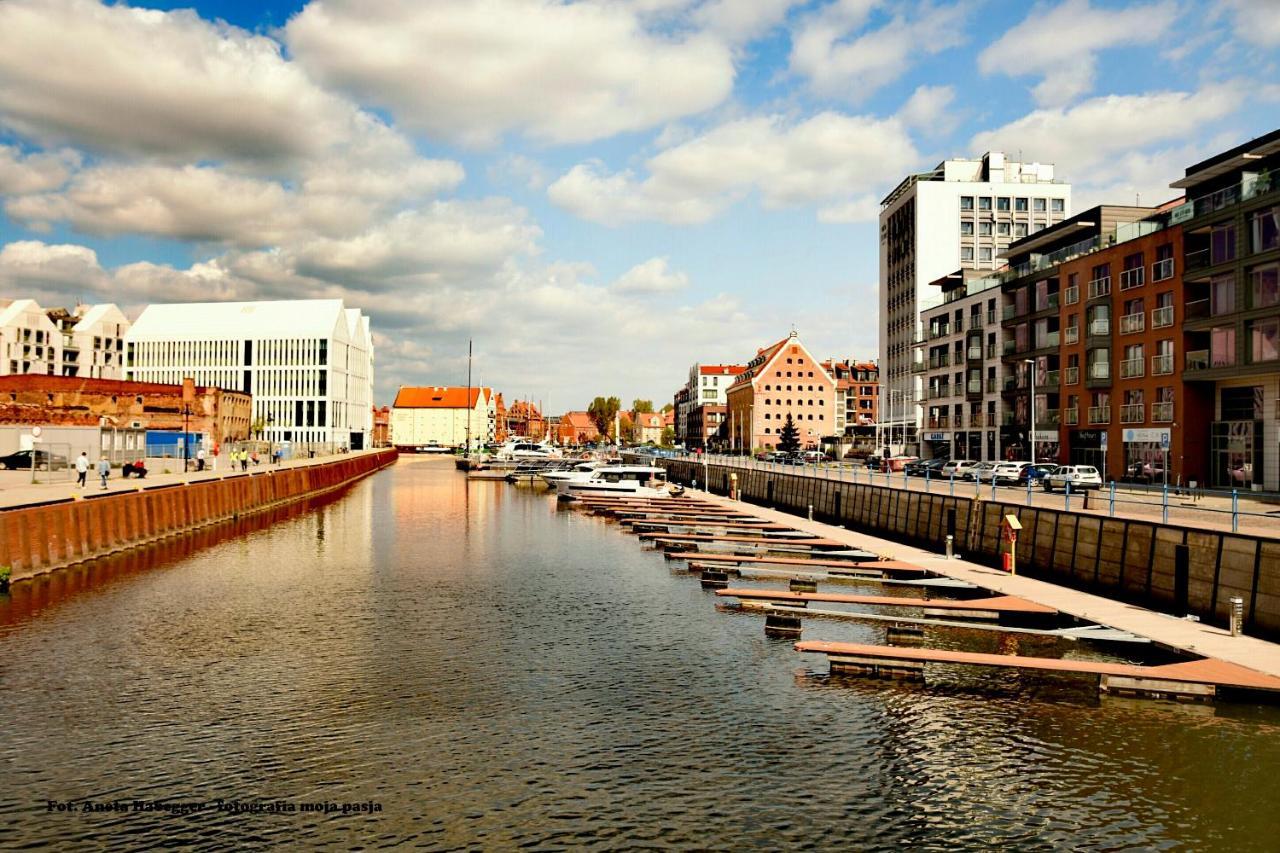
(961, 215)
(307, 363)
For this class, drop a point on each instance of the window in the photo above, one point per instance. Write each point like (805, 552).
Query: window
(1222, 294)
(1222, 346)
(966, 202)
(984, 254)
(1058, 205)
(966, 229)
(1002, 204)
(984, 203)
(1002, 228)
(1020, 205)
(1222, 244)
(1038, 205)
(966, 253)
(1019, 229)
(1265, 226)
(1264, 340)
(1265, 285)
(984, 229)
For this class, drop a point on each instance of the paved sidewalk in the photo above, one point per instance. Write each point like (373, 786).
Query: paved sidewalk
(17, 490)
(1191, 637)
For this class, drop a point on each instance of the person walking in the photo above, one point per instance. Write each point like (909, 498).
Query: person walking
(104, 469)
(200, 459)
(82, 468)
(244, 460)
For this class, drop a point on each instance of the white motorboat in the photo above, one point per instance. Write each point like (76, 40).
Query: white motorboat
(520, 449)
(581, 471)
(628, 480)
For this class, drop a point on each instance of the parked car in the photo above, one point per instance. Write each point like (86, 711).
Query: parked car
(1080, 477)
(813, 457)
(1034, 473)
(874, 462)
(44, 460)
(956, 468)
(921, 467)
(1006, 473)
(980, 472)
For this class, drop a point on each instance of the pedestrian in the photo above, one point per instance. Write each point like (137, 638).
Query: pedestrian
(244, 460)
(104, 469)
(82, 468)
(215, 456)
(200, 459)
(255, 459)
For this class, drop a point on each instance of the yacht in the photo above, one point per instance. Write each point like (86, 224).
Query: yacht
(627, 480)
(522, 449)
(581, 471)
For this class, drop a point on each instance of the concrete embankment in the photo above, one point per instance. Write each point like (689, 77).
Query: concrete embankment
(37, 539)
(1127, 559)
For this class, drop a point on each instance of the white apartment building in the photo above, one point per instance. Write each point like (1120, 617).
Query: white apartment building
(961, 215)
(443, 416)
(87, 342)
(307, 363)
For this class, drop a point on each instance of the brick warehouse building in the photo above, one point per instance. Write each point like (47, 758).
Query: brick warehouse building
(35, 399)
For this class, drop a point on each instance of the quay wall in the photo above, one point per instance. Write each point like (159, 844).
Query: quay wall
(41, 538)
(1126, 559)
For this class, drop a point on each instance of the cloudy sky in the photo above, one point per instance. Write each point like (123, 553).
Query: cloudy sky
(599, 193)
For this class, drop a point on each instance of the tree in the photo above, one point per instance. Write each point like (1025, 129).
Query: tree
(602, 411)
(668, 437)
(667, 408)
(259, 426)
(642, 407)
(789, 436)
(626, 429)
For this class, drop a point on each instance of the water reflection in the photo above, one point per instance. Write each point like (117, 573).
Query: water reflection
(497, 672)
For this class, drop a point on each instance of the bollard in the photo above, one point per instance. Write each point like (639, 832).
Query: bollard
(953, 484)
(1066, 496)
(1111, 510)
(951, 547)
(1237, 615)
(926, 479)
(811, 512)
(1235, 511)
(694, 484)
(1028, 490)
(993, 488)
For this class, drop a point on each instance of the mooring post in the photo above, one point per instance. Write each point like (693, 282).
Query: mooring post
(950, 547)
(811, 512)
(953, 484)
(1164, 504)
(1235, 511)
(1111, 509)
(926, 480)
(1181, 578)
(993, 487)
(1237, 615)
(1066, 496)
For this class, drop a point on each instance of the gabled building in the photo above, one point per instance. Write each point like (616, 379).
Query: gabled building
(577, 428)
(646, 427)
(783, 379)
(442, 416)
(87, 342)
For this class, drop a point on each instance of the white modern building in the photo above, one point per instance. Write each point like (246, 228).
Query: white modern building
(961, 215)
(308, 364)
(88, 341)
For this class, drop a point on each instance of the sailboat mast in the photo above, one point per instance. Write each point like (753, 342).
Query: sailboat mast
(469, 407)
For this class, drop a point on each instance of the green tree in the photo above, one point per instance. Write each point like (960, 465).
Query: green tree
(626, 429)
(789, 436)
(642, 407)
(602, 411)
(258, 427)
(668, 408)
(668, 437)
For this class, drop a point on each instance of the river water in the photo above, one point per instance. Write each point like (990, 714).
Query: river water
(488, 670)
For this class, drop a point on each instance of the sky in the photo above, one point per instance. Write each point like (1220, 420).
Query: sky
(597, 193)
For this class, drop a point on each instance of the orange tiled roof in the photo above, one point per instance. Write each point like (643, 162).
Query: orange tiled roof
(721, 369)
(437, 397)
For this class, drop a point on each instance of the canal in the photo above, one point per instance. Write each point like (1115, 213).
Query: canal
(489, 670)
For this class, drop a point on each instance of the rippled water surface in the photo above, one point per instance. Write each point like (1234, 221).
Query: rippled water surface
(492, 671)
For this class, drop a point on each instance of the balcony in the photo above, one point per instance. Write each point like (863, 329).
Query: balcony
(1162, 318)
(991, 317)
(1132, 368)
(1050, 418)
(937, 392)
(1050, 381)
(942, 422)
(974, 386)
(975, 321)
(1133, 413)
(1196, 309)
(1009, 312)
(1099, 371)
(975, 353)
(976, 419)
(936, 361)
(1198, 360)
(918, 367)
(1197, 260)
(1071, 417)
(1099, 414)
(1071, 376)
(1223, 198)
(993, 385)
(1071, 295)
(1012, 385)
(1162, 365)
(991, 350)
(1099, 328)
(1162, 413)
(1050, 301)
(936, 332)
(1048, 341)
(1010, 347)
(1131, 278)
(1071, 335)
(1133, 323)
(1100, 287)
(1162, 270)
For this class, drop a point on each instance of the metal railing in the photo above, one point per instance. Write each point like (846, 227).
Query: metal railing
(1162, 413)
(1131, 368)
(939, 423)
(1133, 413)
(1010, 311)
(1223, 198)
(1099, 328)
(976, 419)
(1071, 417)
(1071, 375)
(937, 392)
(1050, 301)
(1162, 270)
(1100, 287)
(1133, 323)
(1197, 359)
(975, 353)
(1100, 370)
(1197, 260)
(1071, 295)
(1010, 346)
(993, 385)
(1162, 365)
(1071, 335)
(1050, 339)
(1132, 278)
(918, 366)
(1162, 318)
(1099, 414)
(1050, 381)
(936, 361)
(974, 386)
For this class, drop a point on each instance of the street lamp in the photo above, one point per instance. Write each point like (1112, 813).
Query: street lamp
(1032, 373)
(271, 444)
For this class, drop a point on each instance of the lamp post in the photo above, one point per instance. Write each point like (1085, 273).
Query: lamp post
(186, 438)
(271, 442)
(1032, 373)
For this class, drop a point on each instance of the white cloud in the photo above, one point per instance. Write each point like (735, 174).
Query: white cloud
(840, 60)
(1090, 138)
(652, 276)
(520, 169)
(1256, 21)
(36, 172)
(827, 158)
(1060, 44)
(864, 209)
(927, 109)
(474, 70)
(740, 21)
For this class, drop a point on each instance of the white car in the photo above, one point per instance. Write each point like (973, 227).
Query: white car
(981, 472)
(1007, 472)
(1080, 477)
(956, 468)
